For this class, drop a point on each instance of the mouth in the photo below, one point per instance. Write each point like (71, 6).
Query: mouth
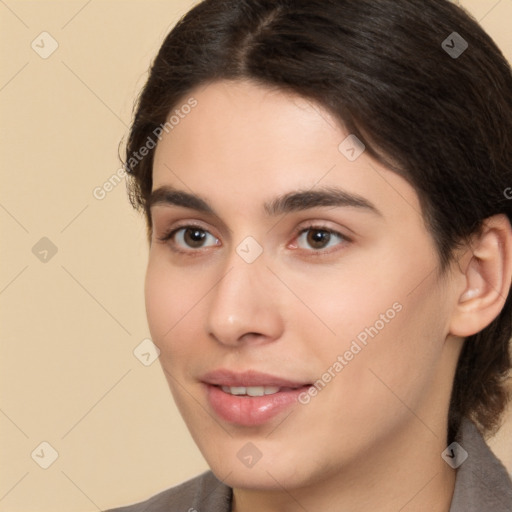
(250, 398)
(252, 390)
(249, 379)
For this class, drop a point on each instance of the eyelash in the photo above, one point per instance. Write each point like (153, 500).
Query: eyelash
(169, 235)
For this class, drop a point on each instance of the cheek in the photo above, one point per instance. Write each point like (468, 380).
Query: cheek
(399, 360)
(172, 299)
(380, 321)
(340, 304)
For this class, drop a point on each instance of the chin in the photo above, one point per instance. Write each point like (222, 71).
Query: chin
(268, 469)
(263, 478)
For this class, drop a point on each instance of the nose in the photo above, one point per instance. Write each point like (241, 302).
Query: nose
(244, 305)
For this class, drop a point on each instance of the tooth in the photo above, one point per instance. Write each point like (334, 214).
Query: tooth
(250, 390)
(256, 391)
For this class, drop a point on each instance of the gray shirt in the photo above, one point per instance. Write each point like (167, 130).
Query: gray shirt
(482, 484)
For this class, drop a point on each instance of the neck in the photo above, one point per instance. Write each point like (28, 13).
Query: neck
(406, 473)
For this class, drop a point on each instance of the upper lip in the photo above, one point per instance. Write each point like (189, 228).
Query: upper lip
(223, 377)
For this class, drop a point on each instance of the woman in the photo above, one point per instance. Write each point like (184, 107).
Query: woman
(325, 188)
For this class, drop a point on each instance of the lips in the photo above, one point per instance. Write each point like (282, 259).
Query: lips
(248, 378)
(250, 398)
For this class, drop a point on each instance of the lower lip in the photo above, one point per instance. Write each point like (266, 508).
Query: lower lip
(249, 411)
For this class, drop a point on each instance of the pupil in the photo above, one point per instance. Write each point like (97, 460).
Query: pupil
(318, 239)
(195, 237)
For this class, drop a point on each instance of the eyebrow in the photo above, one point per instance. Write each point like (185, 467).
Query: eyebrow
(323, 197)
(169, 196)
(287, 203)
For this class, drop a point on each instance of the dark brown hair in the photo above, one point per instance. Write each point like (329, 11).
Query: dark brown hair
(384, 69)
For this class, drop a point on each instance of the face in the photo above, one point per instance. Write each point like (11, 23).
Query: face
(293, 291)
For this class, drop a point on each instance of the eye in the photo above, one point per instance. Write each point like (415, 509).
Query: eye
(191, 237)
(317, 238)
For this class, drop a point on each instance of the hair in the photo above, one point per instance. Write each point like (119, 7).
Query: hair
(382, 69)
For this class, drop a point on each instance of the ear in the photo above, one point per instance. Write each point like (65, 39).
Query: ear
(486, 275)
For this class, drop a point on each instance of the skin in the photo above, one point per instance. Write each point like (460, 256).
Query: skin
(372, 438)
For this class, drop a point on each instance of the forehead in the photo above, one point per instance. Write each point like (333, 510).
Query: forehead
(244, 143)
(243, 124)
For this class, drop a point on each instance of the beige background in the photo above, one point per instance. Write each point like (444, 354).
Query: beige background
(68, 374)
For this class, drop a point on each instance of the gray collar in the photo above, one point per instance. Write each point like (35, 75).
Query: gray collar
(482, 482)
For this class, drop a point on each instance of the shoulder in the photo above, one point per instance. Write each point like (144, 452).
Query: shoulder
(482, 482)
(204, 492)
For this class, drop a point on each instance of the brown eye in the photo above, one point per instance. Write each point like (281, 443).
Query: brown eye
(319, 238)
(194, 238)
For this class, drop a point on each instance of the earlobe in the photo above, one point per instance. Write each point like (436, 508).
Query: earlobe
(486, 278)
